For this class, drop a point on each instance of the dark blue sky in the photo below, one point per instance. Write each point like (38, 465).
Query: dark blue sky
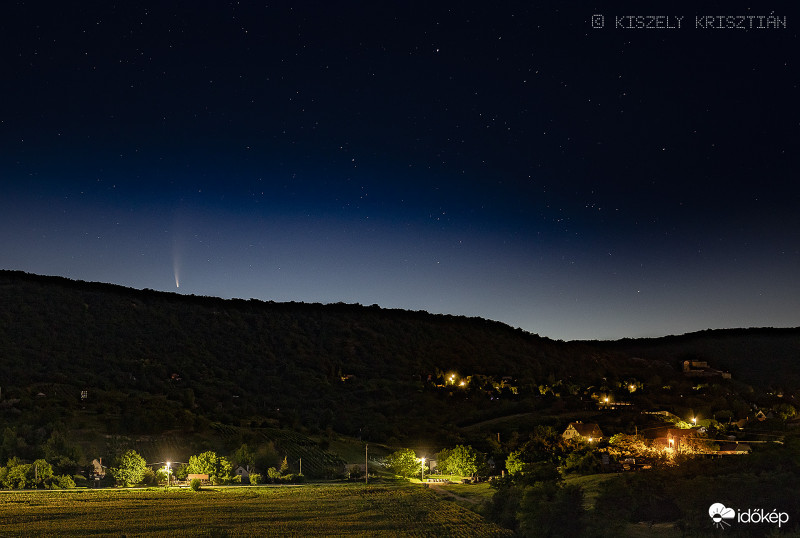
(507, 162)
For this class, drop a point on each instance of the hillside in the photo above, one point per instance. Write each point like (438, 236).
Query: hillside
(153, 362)
(765, 357)
(152, 357)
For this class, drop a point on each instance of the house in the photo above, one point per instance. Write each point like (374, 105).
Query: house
(582, 432)
(244, 472)
(675, 439)
(702, 369)
(97, 469)
(203, 478)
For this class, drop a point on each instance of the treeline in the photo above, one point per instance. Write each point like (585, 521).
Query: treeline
(153, 361)
(37, 475)
(766, 357)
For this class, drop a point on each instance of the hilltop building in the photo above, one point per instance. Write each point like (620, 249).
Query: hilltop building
(582, 432)
(702, 369)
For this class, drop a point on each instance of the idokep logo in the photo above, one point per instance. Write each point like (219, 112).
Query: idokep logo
(719, 513)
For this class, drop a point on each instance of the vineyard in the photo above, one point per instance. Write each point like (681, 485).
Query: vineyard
(394, 510)
(295, 446)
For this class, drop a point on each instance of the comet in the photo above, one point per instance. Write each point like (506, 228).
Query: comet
(176, 265)
(176, 270)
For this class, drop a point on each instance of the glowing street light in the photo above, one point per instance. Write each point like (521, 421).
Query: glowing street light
(168, 474)
(422, 469)
(694, 421)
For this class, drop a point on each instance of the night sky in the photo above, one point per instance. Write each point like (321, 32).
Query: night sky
(486, 159)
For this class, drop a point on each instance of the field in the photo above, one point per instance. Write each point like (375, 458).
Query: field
(591, 485)
(471, 495)
(330, 510)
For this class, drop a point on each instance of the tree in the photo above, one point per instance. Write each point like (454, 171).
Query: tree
(218, 468)
(441, 460)
(17, 475)
(514, 463)
(163, 475)
(285, 465)
(63, 456)
(404, 462)
(548, 509)
(131, 469)
(529, 473)
(266, 456)
(583, 460)
(182, 472)
(65, 482)
(627, 445)
(273, 474)
(41, 471)
(243, 456)
(463, 460)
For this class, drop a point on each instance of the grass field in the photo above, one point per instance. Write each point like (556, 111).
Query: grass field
(474, 493)
(328, 510)
(591, 486)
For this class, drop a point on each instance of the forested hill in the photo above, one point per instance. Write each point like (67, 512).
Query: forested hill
(66, 328)
(757, 356)
(152, 361)
(231, 360)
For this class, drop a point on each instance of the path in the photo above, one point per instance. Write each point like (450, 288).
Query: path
(441, 491)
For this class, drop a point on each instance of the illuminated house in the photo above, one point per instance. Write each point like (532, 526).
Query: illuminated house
(676, 439)
(582, 432)
(702, 369)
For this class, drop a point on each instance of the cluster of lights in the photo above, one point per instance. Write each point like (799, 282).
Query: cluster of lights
(452, 381)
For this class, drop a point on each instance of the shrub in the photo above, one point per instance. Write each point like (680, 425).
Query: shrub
(255, 478)
(66, 482)
(195, 484)
(149, 478)
(355, 472)
(273, 474)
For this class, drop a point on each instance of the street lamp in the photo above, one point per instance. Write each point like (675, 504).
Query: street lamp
(168, 473)
(422, 469)
(694, 421)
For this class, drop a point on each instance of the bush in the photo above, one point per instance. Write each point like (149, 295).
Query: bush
(354, 472)
(273, 474)
(255, 478)
(195, 484)
(66, 482)
(149, 478)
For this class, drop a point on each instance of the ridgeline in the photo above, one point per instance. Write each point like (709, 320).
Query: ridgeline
(151, 362)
